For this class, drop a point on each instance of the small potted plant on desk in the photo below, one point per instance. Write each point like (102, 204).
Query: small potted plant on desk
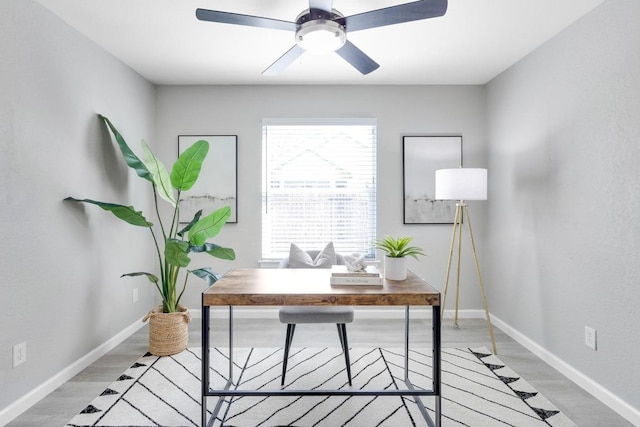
(169, 322)
(395, 261)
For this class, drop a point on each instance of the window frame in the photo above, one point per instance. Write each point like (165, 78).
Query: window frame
(267, 250)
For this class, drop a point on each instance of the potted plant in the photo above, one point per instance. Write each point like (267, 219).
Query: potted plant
(395, 261)
(171, 244)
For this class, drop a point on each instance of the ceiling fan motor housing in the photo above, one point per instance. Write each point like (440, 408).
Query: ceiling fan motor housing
(318, 32)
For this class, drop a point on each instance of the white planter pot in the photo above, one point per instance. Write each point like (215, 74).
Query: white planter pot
(395, 268)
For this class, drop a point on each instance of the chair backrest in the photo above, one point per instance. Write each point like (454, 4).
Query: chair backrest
(284, 262)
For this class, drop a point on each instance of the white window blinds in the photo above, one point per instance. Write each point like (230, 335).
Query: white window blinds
(319, 185)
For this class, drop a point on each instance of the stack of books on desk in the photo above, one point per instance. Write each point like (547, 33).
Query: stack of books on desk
(340, 276)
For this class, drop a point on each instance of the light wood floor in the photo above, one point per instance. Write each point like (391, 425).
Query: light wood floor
(586, 411)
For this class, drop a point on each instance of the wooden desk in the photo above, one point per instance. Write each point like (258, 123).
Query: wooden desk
(278, 287)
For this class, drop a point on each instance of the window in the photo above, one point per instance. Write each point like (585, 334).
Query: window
(319, 185)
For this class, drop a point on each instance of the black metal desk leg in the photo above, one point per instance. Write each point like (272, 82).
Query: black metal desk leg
(205, 361)
(231, 344)
(406, 343)
(437, 379)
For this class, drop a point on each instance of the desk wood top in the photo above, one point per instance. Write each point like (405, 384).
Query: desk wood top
(311, 286)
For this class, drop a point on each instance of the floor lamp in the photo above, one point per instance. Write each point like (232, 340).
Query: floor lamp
(463, 184)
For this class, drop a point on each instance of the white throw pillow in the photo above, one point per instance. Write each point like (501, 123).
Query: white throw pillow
(298, 258)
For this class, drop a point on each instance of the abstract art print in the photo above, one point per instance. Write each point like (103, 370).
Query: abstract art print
(217, 185)
(422, 156)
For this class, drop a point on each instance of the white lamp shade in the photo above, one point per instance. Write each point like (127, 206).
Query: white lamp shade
(461, 184)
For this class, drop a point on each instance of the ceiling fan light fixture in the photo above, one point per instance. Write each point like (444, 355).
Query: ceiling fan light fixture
(321, 36)
(321, 28)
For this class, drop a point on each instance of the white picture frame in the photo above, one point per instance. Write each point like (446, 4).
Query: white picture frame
(421, 157)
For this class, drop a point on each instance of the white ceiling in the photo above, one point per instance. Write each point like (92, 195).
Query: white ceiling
(163, 41)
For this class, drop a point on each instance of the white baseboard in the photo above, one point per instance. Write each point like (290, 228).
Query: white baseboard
(34, 396)
(598, 391)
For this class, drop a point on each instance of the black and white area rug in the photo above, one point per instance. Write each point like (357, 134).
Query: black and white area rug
(478, 390)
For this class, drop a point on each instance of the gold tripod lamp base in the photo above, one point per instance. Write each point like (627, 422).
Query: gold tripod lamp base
(463, 184)
(462, 211)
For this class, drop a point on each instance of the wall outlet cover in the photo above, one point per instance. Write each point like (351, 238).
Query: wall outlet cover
(590, 339)
(19, 354)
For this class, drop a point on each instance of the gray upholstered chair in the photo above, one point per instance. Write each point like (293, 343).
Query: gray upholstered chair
(292, 315)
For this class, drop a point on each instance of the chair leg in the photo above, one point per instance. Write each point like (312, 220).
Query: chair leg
(342, 332)
(291, 327)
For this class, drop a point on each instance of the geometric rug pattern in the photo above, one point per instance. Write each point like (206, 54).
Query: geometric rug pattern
(477, 390)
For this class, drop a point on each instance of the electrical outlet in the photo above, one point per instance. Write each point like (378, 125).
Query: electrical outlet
(590, 338)
(19, 354)
(134, 296)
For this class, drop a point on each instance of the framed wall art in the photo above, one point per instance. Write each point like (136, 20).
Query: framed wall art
(421, 157)
(217, 185)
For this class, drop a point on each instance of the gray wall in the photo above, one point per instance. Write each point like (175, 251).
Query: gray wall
(399, 110)
(564, 222)
(60, 285)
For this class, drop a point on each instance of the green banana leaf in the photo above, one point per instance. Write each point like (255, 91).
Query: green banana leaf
(195, 219)
(132, 160)
(223, 253)
(175, 252)
(152, 277)
(186, 169)
(215, 250)
(209, 226)
(159, 174)
(125, 213)
(207, 274)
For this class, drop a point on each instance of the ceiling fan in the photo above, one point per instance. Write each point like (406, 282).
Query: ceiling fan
(321, 28)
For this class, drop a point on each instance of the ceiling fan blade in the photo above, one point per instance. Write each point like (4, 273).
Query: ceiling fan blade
(354, 56)
(284, 61)
(248, 20)
(407, 12)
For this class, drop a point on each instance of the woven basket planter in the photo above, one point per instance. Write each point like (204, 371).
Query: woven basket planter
(168, 332)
